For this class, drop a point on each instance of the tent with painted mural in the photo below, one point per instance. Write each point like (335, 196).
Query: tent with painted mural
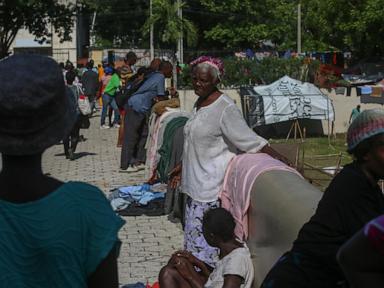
(285, 106)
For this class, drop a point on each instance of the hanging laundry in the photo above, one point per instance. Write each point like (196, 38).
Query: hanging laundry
(322, 57)
(166, 149)
(366, 90)
(151, 145)
(164, 125)
(287, 54)
(377, 91)
(175, 200)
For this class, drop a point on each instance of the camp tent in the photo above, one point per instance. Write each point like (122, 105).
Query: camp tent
(286, 99)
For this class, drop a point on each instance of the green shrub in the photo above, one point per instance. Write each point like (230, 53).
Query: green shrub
(240, 72)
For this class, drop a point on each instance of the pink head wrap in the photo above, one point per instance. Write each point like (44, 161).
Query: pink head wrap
(211, 61)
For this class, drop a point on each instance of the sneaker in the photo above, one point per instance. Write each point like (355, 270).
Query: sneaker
(104, 127)
(141, 166)
(130, 169)
(116, 125)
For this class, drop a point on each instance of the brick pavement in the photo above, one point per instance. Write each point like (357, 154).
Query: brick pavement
(147, 241)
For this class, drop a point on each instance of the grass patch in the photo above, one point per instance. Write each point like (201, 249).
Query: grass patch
(319, 152)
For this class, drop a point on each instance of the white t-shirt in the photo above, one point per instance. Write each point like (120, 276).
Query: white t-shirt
(212, 136)
(239, 263)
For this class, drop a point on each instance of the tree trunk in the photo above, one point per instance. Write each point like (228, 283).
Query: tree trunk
(3, 50)
(6, 40)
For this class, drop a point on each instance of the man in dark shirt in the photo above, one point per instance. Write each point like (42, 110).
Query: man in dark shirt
(90, 82)
(352, 199)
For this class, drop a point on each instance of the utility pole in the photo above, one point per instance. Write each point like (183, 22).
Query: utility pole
(180, 43)
(151, 44)
(93, 36)
(299, 28)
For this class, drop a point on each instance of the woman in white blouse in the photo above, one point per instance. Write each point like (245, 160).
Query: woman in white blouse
(214, 134)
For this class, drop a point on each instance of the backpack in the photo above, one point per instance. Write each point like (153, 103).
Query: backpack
(126, 92)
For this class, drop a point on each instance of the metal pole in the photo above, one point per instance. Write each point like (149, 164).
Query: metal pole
(299, 28)
(152, 48)
(93, 36)
(180, 44)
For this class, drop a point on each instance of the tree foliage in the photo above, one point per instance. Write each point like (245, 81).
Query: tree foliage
(354, 25)
(37, 17)
(168, 24)
(118, 22)
(346, 25)
(240, 72)
(246, 23)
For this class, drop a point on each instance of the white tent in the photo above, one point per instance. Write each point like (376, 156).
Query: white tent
(289, 99)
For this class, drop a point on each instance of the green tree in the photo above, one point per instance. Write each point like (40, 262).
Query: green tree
(247, 23)
(353, 25)
(239, 25)
(36, 16)
(118, 22)
(356, 25)
(168, 24)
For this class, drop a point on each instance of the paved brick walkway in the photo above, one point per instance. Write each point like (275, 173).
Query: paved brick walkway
(147, 241)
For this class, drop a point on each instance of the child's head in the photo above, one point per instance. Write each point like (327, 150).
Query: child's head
(218, 226)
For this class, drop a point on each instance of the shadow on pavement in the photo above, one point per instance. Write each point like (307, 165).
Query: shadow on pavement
(77, 155)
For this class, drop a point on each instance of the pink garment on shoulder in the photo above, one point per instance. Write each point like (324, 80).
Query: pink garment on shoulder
(240, 175)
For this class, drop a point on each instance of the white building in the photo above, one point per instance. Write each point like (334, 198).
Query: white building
(61, 52)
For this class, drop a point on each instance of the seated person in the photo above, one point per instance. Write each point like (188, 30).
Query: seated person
(362, 257)
(351, 200)
(234, 269)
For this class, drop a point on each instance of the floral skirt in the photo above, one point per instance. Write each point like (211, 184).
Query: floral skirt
(194, 240)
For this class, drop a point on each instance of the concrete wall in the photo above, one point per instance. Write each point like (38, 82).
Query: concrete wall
(66, 50)
(96, 55)
(61, 52)
(343, 106)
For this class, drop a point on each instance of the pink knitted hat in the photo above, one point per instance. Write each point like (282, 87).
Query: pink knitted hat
(213, 62)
